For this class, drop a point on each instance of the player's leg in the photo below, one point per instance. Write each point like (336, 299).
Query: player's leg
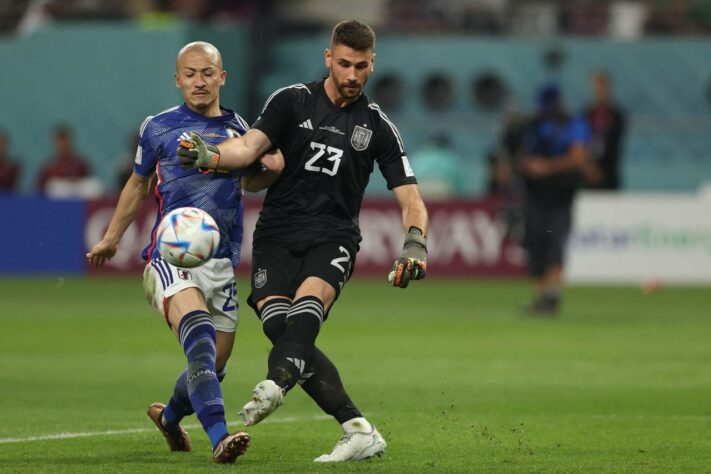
(360, 440)
(292, 351)
(324, 269)
(179, 405)
(188, 316)
(537, 242)
(322, 382)
(559, 224)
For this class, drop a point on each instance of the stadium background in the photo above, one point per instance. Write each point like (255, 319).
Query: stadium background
(619, 383)
(100, 67)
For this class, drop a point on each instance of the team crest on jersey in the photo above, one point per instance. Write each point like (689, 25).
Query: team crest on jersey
(360, 138)
(260, 278)
(184, 274)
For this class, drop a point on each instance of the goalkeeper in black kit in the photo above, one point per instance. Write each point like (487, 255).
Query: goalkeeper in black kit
(307, 236)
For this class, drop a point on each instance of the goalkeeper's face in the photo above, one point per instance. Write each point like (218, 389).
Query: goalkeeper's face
(350, 69)
(199, 76)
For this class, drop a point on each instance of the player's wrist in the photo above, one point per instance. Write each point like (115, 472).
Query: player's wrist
(112, 240)
(416, 240)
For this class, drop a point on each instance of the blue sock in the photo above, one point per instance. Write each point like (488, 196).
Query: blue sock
(197, 336)
(179, 405)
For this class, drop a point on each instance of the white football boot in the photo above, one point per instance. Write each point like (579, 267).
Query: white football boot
(267, 396)
(356, 445)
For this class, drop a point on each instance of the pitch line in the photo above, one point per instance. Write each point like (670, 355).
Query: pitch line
(88, 434)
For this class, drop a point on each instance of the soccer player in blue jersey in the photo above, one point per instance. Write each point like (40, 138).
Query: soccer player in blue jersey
(199, 304)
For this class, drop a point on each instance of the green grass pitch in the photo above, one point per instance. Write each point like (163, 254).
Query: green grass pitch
(454, 378)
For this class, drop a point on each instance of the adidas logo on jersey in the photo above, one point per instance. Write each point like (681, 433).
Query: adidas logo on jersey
(306, 124)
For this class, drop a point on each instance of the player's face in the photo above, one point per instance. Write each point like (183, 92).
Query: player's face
(350, 69)
(199, 77)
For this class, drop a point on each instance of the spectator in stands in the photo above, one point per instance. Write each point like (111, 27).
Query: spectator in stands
(504, 178)
(556, 147)
(65, 169)
(607, 125)
(9, 169)
(125, 162)
(439, 167)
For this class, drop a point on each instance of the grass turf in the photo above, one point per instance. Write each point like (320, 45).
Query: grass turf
(452, 375)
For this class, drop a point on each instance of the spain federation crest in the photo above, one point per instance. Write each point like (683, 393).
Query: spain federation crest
(360, 138)
(260, 278)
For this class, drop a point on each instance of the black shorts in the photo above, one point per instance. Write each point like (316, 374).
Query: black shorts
(547, 229)
(279, 268)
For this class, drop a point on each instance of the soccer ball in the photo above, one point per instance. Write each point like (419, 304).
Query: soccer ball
(187, 237)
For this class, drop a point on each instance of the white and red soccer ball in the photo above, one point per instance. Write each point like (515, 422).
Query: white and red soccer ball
(187, 237)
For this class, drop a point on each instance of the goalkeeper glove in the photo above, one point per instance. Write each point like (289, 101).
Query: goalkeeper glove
(194, 153)
(412, 263)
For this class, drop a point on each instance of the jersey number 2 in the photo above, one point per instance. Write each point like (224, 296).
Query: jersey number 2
(336, 262)
(230, 300)
(334, 156)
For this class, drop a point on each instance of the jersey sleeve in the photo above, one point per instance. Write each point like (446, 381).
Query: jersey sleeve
(390, 155)
(146, 155)
(276, 114)
(237, 235)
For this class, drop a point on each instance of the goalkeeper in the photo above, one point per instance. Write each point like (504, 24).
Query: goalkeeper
(307, 236)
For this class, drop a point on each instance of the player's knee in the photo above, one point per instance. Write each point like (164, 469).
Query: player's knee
(304, 320)
(273, 316)
(274, 328)
(316, 288)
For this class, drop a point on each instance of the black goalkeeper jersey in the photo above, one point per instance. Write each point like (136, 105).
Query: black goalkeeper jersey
(329, 153)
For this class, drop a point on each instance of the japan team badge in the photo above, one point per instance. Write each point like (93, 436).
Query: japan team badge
(360, 138)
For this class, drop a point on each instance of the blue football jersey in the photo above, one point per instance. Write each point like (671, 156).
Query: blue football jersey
(218, 193)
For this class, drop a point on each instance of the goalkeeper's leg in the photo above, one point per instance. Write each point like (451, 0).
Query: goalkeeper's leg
(320, 379)
(322, 382)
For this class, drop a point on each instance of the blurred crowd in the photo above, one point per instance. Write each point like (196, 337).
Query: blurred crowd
(614, 18)
(440, 168)
(65, 173)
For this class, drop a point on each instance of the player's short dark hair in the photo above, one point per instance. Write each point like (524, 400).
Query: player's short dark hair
(354, 34)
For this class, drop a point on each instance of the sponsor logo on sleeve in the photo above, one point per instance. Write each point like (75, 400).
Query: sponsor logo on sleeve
(406, 165)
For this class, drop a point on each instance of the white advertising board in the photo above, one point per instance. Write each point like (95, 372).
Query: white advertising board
(634, 238)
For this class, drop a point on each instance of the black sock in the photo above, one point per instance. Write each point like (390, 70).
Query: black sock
(320, 379)
(293, 349)
(326, 388)
(273, 316)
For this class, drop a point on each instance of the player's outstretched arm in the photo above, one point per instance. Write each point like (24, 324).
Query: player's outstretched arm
(273, 165)
(412, 263)
(235, 153)
(130, 201)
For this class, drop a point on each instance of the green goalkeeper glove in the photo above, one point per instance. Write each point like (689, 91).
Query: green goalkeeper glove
(194, 153)
(412, 264)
